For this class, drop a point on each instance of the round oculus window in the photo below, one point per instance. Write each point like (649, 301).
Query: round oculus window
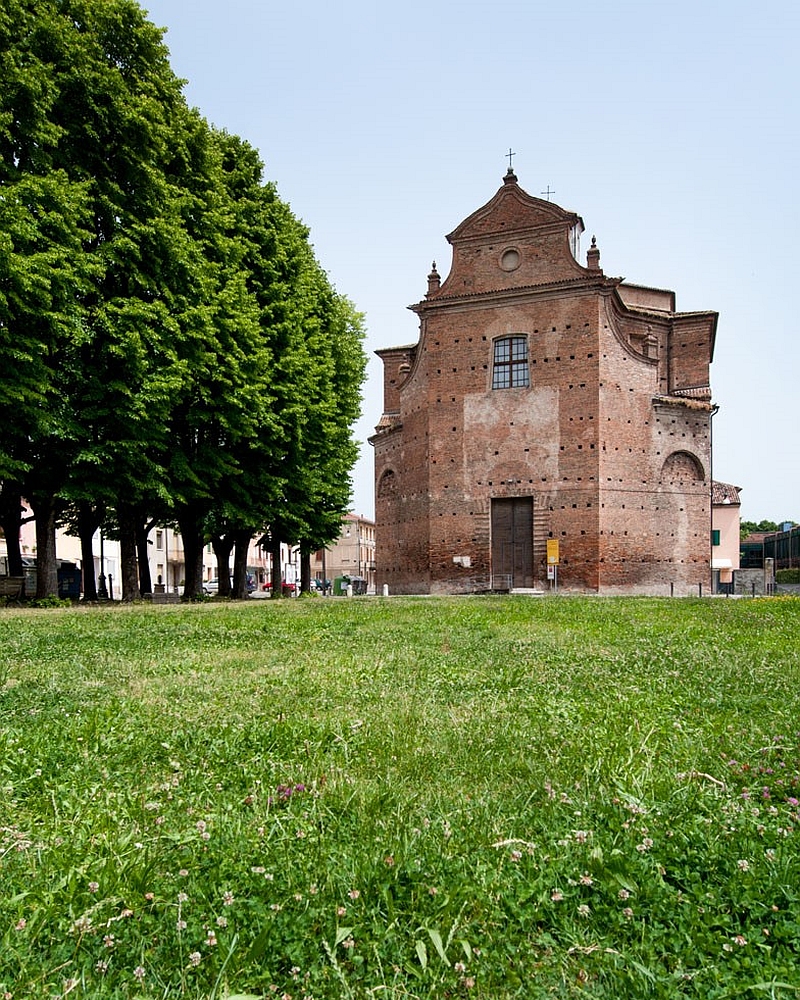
(510, 260)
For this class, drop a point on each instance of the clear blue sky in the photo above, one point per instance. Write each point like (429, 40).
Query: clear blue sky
(672, 129)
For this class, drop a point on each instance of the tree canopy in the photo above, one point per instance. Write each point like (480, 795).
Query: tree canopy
(750, 527)
(171, 349)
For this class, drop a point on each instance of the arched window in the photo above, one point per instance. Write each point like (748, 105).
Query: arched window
(510, 369)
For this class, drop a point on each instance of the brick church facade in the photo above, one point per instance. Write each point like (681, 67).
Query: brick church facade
(544, 401)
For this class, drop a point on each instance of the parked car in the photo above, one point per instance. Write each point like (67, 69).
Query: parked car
(288, 588)
(211, 587)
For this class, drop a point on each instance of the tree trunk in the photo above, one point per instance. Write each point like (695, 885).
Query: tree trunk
(190, 525)
(44, 509)
(89, 521)
(277, 575)
(143, 529)
(223, 546)
(129, 583)
(305, 572)
(240, 563)
(11, 511)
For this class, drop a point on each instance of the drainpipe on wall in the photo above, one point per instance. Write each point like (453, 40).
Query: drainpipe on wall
(713, 412)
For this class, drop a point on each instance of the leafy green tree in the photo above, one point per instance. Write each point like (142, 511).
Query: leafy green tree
(129, 129)
(90, 118)
(749, 527)
(322, 451)
(173, 349)
(42, 273)
(292, 467)
(44, 219)
(222, 402)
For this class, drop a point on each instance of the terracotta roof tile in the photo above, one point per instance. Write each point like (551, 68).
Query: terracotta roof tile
(724, 493)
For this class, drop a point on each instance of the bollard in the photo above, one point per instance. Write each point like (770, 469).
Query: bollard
(349, 591)
(386, 590)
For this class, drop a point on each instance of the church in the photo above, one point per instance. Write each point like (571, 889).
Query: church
(551, 427)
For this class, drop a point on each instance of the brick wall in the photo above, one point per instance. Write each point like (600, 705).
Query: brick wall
(616, 465)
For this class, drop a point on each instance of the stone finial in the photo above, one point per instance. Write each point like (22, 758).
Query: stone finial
(434, 280)
(510, 177)
(593, 256)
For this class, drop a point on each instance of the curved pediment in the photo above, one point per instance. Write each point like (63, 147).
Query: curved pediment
(513, 210)
(515, 241)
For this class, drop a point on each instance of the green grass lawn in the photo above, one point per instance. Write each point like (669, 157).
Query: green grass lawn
(422, 798)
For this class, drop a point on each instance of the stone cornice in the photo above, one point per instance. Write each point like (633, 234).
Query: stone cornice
(571, 285)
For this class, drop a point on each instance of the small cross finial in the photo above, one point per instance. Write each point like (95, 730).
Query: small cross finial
(548, 192)
(510, 156)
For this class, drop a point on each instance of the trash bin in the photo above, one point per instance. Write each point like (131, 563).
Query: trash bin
(29, 572)
(340, 585)
(69, 581)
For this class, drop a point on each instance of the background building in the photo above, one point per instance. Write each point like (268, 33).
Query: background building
(166, 559)
(352, 554)
(544, 402)
(725, 541)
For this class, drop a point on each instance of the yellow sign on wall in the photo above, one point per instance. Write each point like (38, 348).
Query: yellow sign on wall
(552, 552)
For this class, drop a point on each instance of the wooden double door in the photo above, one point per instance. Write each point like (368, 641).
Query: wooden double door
(512, 542)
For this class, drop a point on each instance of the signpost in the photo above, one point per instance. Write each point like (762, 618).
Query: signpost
(552, 562)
